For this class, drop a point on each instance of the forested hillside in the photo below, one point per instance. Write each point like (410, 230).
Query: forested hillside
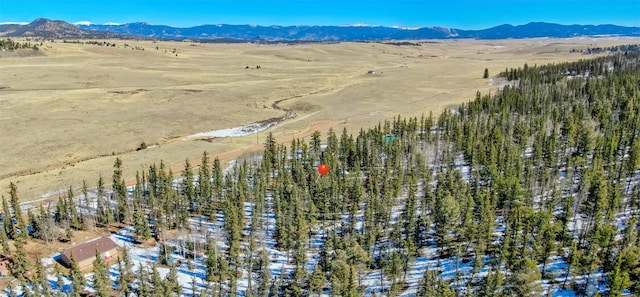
(531, 191)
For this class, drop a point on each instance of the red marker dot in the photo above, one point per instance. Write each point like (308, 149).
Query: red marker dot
(323, 169)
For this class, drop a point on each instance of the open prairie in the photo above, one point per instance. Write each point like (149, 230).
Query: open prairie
(67, 113)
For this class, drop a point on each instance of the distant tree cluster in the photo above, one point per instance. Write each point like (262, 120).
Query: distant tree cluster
(92, 42)
(101, 43)
(553, 73)
(403, 43)
(610, 49)
(139, 48)
(10, 45)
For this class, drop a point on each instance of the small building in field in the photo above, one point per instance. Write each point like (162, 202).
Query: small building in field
(388, 138)
(85, 253)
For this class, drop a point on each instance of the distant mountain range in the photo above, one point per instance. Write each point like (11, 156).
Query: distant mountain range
(60, 29)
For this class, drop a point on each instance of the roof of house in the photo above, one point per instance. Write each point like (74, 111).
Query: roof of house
(88, 249)
(4, 258)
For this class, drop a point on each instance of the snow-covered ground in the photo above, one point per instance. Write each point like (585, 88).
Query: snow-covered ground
(241, 130)
(230, 132)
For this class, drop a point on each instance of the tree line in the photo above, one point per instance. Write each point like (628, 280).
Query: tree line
(11, 45)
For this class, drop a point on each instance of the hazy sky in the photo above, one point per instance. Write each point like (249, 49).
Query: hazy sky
(470, 14)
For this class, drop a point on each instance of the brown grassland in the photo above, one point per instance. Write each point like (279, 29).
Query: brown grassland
(67, 113)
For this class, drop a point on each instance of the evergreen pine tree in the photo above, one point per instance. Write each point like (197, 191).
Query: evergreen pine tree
(40, 280)
(144, 287)
(525, 280)
(120, 192)
(77, 279)
(212, 264)
(105, 215)
(7, 224)
(17, 213)
(264, 274)
(4, 240)
(101, 279)
(20, 263)
(123, 279)
(59, 280)
(172, 285)
(157, 283)
(203, 189)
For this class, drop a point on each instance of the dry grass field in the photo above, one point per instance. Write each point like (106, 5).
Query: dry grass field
(67, 113)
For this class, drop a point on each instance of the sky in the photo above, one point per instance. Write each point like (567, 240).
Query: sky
(470, 14)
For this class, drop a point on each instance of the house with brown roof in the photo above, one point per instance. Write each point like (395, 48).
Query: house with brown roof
(85, 253)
